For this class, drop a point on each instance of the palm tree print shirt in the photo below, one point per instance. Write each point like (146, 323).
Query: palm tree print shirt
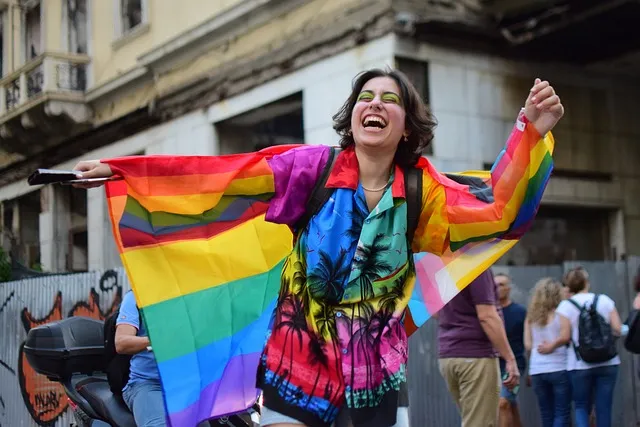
(337, 335)
(338, 331)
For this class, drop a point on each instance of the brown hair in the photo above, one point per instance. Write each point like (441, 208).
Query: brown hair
(576, 279)
(419, 121)
(545, 298)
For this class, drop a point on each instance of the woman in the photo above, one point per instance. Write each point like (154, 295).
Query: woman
(548, 372)
(591, 382)
(338, 337)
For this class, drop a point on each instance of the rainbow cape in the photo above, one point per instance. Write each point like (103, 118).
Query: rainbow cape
(205, 265)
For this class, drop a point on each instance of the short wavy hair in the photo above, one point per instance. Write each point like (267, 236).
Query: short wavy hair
(419, 121)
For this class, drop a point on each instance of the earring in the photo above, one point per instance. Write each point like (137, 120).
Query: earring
(349, 132)
(406, 139)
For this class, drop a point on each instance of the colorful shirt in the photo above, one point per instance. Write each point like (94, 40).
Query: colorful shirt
(207, 242)
(338, 335)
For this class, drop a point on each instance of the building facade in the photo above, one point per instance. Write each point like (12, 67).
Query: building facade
(93, 79)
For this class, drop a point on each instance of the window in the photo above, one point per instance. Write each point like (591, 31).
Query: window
(132, 14)
(75, 24)
(32, 32)
(276, 123)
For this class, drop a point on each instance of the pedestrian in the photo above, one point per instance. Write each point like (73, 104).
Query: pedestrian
(514, 316)
(471, 336)
(590, 315)
(549, 376)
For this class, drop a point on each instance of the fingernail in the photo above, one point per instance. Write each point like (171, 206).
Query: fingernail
(534, 99)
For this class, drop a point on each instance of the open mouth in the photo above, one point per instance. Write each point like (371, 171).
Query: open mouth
(374, 123)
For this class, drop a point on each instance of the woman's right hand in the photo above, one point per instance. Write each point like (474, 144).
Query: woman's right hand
(92, 169)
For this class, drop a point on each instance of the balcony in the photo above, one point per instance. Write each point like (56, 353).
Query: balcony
(43, 103)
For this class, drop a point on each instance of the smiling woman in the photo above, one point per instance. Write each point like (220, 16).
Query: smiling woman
(336, 308)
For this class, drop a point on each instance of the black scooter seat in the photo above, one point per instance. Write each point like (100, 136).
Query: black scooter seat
(107, 405)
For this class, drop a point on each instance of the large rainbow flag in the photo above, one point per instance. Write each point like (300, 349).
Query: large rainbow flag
(205, 266)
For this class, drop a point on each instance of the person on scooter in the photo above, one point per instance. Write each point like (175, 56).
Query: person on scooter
(143, 391)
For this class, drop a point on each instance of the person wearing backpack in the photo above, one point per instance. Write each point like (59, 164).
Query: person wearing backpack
(592, 360)
(143, 392)
(337, 334)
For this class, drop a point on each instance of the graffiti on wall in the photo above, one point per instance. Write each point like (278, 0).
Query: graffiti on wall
(4, 364)
(46, 400)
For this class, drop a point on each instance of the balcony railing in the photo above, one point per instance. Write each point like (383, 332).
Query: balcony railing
(49, 73)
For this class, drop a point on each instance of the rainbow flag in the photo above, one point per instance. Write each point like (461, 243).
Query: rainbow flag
(504, 201)
(205, 265)
(205, 269)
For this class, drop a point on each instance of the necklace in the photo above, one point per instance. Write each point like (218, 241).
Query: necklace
(376, 190)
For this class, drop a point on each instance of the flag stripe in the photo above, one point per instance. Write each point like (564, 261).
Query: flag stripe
(201, 260)
(243, 300)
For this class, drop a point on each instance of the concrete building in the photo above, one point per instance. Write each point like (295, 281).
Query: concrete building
(93, 79)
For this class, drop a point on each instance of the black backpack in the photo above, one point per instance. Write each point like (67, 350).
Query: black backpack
(117, 366)
(320, 195)
(596, 342)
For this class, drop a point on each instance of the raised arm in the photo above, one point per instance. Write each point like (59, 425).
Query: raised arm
(279, 179)
(478, 206)
(469, 220)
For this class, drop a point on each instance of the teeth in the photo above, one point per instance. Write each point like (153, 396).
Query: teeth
(370, 119)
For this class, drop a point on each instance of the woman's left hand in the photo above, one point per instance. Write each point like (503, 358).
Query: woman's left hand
(543, 107)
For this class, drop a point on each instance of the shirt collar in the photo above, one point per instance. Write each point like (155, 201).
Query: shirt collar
(345, 174)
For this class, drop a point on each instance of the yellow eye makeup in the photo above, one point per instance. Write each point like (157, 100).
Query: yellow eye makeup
(365, 96)
(391, 97)
(388, 97)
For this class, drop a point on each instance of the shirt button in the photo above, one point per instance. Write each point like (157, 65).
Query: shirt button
(338, 314)
(358, 258)
(344, 351)
(367, 220)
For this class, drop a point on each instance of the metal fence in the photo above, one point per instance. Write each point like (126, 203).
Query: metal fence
(28, 399)
(430, 402)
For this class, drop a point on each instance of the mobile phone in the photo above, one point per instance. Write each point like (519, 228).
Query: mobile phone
(515, 389)
(91, 180)
(51, 176)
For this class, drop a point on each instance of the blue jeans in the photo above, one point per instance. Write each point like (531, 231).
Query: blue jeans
(553, 391)
(594, 385)
(145, 400)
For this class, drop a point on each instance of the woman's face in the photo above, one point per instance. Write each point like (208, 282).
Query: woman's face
(378, 118)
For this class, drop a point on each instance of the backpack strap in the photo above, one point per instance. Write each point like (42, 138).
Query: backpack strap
(320, 194)
(578, 306)
(575, 346)
(594, 304)
(413, 194)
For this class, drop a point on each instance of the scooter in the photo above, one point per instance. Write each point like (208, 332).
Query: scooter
(71, 352)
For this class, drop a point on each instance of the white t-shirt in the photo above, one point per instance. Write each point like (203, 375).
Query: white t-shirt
(546, 363)
(571, 312)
